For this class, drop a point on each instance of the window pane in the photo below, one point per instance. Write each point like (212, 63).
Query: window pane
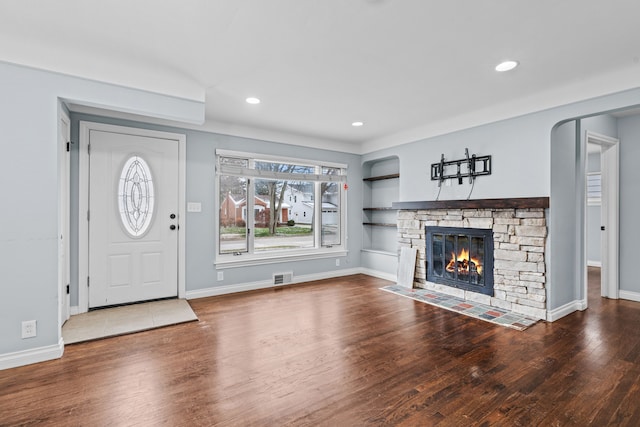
(283, 167)
(437, 254)
(233, 214)
(450, 256)
(462, 258)
(594, 188)
(331, 171)
(330, 196)
(476, 260)
(232, 161)
(283, 215)
(136, 196)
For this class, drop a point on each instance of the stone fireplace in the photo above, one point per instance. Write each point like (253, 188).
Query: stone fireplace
(517, 229)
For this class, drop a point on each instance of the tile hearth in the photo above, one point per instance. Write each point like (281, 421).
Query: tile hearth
(469, 308)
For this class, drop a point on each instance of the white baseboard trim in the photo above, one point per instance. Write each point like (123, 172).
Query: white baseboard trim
(379, 274)
(73, 310)
(32, 355)
(594, 264)
(630, 295)
(560, 312)
(264, 284)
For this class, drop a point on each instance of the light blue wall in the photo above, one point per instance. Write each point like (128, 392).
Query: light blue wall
(627, 130)
(525, 164)
(200, 242)
(593, 216)
(29, 101)
(565, 239)
(520, 156)
(607, 125)
(629, 135)
(565, 226)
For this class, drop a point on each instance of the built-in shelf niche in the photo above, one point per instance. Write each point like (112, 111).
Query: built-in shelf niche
(381, 189)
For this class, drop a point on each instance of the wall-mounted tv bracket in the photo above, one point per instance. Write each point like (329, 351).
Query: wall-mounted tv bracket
(472, 167)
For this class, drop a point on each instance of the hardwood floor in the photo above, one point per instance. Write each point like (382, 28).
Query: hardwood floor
(341, 352)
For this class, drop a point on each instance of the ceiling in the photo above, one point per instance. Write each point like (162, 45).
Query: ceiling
(408, 69)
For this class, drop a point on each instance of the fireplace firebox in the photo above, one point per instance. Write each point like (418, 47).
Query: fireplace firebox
(460, 257)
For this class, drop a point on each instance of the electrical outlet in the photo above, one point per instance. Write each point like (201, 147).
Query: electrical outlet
(220, 275)
(29, 329)
(337, 262)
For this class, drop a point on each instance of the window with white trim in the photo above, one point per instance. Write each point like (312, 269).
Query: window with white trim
(594, 188)
(280, 192)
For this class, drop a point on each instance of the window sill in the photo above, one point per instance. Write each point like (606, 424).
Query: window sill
(246, 260)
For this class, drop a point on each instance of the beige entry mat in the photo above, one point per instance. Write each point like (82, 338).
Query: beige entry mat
(127, 319)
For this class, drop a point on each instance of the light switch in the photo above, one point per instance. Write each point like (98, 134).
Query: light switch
(194, 207)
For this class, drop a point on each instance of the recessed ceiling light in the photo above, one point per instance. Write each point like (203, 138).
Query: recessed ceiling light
(357, 124)
(253, 100)
(506, 66)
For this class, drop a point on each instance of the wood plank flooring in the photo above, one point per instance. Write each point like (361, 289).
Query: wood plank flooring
(340, 352)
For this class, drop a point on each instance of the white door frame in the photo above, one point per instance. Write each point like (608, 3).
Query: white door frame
(83, 202)
(64, 173)
(609, 243)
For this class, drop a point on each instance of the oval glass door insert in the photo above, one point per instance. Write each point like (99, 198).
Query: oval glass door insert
(136, 196)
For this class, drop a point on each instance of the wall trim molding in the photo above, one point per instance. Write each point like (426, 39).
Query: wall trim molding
(560, 312)
(629, 295)
(265, 284)
(594, 264)
(379, 274)
(32, 355)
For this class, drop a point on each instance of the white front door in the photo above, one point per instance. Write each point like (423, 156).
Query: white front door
(133, 218)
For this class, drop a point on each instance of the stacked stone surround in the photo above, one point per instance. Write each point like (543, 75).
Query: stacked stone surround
(519, 238)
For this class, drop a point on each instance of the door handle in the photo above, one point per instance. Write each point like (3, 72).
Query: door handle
(172, 216)
(172, 227)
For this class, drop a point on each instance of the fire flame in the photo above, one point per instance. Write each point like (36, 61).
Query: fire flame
(463, 264)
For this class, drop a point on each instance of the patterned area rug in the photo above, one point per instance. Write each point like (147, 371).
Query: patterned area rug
(474, 309)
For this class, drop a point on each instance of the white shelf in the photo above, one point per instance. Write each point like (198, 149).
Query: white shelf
(381, 252)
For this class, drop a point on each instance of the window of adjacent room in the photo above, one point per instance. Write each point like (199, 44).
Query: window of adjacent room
(267, 207)
(594, 188)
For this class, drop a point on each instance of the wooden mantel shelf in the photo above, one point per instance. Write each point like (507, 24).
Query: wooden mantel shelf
(513, 203)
